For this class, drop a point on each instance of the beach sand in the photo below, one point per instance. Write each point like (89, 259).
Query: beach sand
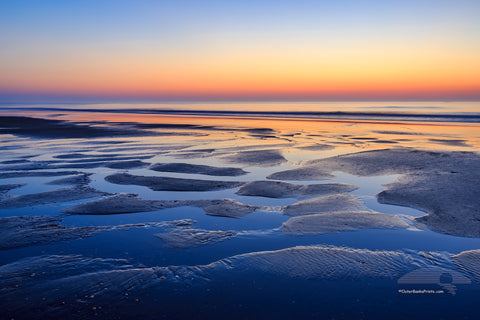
(145, 209)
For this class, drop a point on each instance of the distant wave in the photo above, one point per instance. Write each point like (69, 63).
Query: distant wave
(469, 117)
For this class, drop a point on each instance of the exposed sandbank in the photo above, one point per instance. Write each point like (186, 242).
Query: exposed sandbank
(14, 161)
(22, 174)
(23, 231)
(197, 169)
(341, 221)
(18, 232)
(119, 203)
(278, 189)
(129, 164)
(53, 196)
(171, 184)
(80, 157)
(224, 207)
(316, 147)
(301, 173)
(442, 184)
(263, 158)
(469, 261)
(85, 156)
(50, 165)
(79, 180)
(129, 203)
(190, 237)
(330, 203)
(451, 142)
(450, 199)
(59, 129)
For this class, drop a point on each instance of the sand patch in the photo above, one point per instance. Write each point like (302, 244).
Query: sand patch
(384, 141)
(197, 169)
(48, 165)
(469, 261)
(92, 157)
(22, 174)
(308, 173)
(443, 184)
(171, 184)
(129, 164)
(398, 133)
(262, 158)
(100, 158)
(19, 232)
(190, 237)
(24, 231)
(330, 203)
(17, 161)
(341, 221)
(129, 203)
(278, 189)
(48, 197)
(59, 129)
(224, 207)
(78, 180)
(322, 262)
(316, 147)
(30, 165)
(451, 142)
(119, 203)
(450, 200)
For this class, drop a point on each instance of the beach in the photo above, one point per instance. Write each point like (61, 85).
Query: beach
(204, 213)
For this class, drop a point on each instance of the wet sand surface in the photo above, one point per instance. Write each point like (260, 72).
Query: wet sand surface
(120, 219)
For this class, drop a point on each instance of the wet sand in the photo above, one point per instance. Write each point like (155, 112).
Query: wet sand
(264, 158)
(442, 184)
(20, 232)
(341, 221)
(47, 197)
(292, 173)
(97, 280)
(190, 237)
(171, 184)
(330, 203)
(278, 189)
(129, 203)
(196, 169)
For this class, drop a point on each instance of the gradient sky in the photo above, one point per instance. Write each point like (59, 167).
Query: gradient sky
(239, 50)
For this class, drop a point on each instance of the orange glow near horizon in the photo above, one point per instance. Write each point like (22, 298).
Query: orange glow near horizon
(225, 76)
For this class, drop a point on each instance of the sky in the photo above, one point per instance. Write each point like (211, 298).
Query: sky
(239, 50)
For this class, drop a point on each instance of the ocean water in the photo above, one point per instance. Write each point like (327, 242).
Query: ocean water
(206, 134)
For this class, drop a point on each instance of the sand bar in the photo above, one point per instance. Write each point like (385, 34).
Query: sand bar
(48, 197)
(129, 203)
(197, 169)
(262, 158)
(324, 204)
(278, 189)
(171, 184)
(341, 221)
(190, 237)
(442, 184)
